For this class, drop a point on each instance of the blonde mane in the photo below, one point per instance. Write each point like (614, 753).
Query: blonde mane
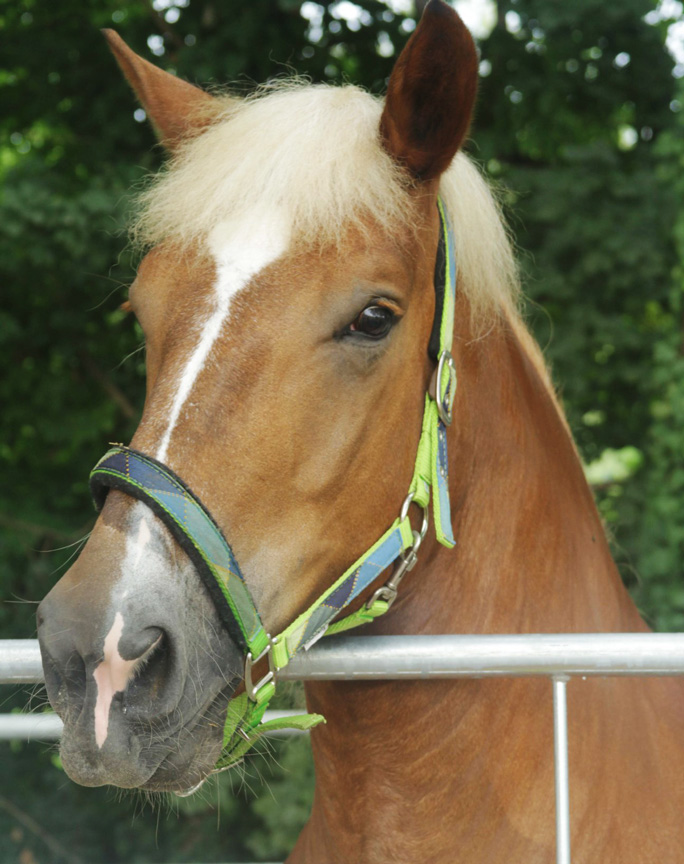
(315, 150)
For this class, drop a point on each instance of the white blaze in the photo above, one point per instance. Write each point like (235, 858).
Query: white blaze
(111, 676)
(241, 248)
(114, 673)
(140, 542)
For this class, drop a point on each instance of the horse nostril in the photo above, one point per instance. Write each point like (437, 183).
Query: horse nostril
(153, 678)
(154, 655)
(139, 646)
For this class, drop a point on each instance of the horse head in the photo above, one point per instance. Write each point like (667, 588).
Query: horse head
(287, 302)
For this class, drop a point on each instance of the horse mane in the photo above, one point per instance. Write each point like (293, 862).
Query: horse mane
(315, 150)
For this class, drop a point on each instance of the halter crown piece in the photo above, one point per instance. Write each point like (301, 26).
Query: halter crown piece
(147, 480)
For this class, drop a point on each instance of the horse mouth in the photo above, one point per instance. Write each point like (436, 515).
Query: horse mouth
(136, 757)
(184, 784)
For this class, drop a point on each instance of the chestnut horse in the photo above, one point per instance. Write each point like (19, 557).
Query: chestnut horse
(288, 302)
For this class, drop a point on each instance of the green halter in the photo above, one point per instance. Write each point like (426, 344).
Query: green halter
(185, 516)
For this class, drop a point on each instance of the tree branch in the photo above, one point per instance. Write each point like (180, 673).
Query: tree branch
(116, 394)
(35, 528)
(36, 828)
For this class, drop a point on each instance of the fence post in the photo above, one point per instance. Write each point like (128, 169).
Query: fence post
(560, 759)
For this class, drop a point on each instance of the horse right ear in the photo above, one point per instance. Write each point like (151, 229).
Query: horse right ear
(173, 105)
(431, 94)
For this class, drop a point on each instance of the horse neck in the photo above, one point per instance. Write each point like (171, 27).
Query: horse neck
(531, 556)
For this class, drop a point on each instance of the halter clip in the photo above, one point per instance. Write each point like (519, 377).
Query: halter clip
(251, 688)
(407, 560)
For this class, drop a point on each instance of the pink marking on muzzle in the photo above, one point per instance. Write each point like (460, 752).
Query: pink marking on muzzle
(112, 676)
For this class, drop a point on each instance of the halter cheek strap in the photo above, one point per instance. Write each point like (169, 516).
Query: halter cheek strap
(190, 523)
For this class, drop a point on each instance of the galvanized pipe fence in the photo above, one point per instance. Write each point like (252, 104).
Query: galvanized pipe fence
(558, 657)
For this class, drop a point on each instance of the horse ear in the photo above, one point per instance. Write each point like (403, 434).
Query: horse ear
(431, 94)
(173, 105)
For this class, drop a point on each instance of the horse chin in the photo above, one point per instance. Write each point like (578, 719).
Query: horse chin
(188, 765)
(133, 759)
(183, 782)
(183, 766)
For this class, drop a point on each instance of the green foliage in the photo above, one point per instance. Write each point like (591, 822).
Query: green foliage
(578, 120)
(580, 125)
(283, 806)
(659, 542)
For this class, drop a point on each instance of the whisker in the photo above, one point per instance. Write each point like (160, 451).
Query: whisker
(135, 351)
(68, 545)
(81, 544)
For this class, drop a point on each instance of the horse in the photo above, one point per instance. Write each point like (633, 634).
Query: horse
(290, 303)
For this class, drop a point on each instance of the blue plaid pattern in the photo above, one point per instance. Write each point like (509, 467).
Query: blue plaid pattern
(146, 479)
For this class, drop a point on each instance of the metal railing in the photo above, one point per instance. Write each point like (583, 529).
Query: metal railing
(558, 657)
(46, 726)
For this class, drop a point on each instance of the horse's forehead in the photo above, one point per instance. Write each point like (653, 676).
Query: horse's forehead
(249, 243)
(184, 286)
(244, 242)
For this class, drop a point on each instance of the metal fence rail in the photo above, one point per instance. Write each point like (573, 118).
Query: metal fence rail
(367, 658)
(556, 656)
(48, 726)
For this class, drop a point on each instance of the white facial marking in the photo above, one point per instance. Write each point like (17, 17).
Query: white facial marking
(111, 676)
(141, 541)
(241, 248)
(136, 544)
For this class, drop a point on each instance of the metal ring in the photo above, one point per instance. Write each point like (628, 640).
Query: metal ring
(251, 688)
(424, 526)
(419, 536)
(426, 520)
(417, 541)
(444, 411)
(405, 506)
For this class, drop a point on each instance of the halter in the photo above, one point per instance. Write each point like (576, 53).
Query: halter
(191, 525)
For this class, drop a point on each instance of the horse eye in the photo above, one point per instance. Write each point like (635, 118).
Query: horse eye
(375, 322)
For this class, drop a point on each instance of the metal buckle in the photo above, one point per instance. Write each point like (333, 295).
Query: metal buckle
(251, 688)
(444, 408)
(407, 560)
(403, 513)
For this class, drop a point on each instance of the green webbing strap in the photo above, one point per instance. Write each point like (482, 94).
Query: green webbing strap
(446, 330)
(422, 472)
(316, 620)
(365, 615)
(193, 528)
(444, 392)
(244, 726)
(430, 475)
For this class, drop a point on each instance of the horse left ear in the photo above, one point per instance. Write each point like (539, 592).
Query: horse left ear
(431, 94)
(173, 105)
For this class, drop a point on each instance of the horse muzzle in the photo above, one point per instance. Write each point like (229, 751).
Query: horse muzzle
(136, 663)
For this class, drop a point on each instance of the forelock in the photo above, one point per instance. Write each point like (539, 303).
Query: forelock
(314, 151)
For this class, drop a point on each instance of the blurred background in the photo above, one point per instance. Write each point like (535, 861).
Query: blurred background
(580, 125)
